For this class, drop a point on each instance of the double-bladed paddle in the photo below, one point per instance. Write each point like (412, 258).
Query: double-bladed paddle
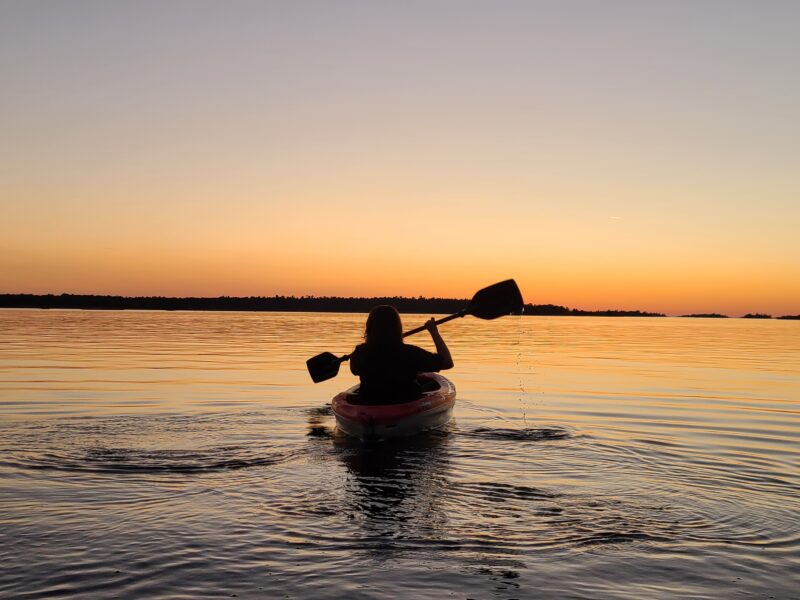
(491, 302)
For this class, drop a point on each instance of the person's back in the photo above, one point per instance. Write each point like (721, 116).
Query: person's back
(389, 375)
(387, 367)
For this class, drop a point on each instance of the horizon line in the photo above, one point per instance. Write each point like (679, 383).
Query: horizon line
(555, 309)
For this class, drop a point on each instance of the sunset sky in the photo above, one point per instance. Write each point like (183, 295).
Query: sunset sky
(634, 155)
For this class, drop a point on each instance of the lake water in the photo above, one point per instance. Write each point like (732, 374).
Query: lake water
(188, 455)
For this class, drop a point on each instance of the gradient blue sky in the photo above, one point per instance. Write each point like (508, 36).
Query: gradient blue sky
(625, 154)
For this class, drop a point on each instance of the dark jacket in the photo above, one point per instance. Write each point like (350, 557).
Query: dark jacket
(389, 374)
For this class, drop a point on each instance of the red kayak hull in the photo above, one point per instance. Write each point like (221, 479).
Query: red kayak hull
(433, 409)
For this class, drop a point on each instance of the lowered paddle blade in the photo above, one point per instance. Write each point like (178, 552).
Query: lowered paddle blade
(496, 300)
(323, 366)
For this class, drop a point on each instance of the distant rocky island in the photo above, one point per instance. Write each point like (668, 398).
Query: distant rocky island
(303, 304)
(747, 316)
(763, 316)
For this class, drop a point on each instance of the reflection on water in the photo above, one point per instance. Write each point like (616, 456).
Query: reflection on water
(395, 490)
(187, 455)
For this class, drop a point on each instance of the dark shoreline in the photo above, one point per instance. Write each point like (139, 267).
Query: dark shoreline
(282, 304)
(307, 304)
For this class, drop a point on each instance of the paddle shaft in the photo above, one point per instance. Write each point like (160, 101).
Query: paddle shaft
(460, 313)
(457, 315)
(491, 302)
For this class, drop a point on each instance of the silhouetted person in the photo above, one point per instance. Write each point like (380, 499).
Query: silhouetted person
(388, 368)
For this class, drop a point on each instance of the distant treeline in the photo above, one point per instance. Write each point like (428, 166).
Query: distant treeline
(563, 311)
(301, 304)
(281, 303)
(251, 303)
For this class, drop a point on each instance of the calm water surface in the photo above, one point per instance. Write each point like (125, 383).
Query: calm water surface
(188, 455)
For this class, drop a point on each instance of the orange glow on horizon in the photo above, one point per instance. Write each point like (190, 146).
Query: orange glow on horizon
(402, 159)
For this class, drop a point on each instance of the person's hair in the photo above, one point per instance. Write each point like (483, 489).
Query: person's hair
(384, 327)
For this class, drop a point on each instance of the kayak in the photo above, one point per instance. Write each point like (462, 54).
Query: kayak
(379, 421)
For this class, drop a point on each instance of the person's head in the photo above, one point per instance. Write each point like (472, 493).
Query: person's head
(384, 327)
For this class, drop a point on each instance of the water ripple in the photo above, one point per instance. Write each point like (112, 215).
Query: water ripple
(525, 434)
(185, 455)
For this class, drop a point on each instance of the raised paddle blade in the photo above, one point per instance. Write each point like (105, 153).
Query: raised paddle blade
(323, 366)
(496, 300)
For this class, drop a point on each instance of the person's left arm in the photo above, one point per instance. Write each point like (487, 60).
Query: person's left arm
(357, 360)
(442, 351)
